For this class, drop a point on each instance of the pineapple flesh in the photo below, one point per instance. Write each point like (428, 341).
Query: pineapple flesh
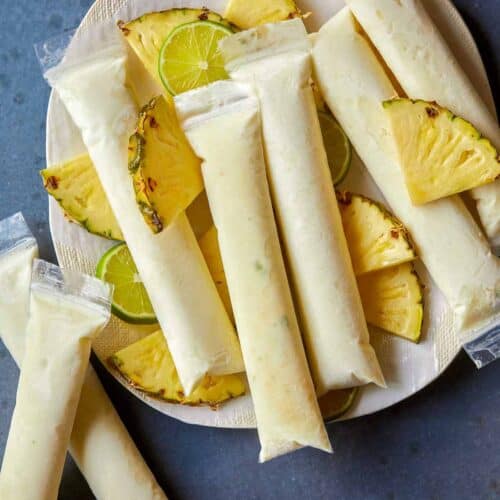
(148, 366)
(245, 14)
(77, 189)
(209, 245)
(375, 237)
(166, 172)
(393, 300)
(441, 154)
(147, 33)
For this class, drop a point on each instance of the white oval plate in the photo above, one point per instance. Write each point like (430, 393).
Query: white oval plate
(407, 367)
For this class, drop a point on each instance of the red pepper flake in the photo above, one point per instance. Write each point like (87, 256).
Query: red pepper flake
(52, 182)
(431, 112)
(395, 233)
(152, 184)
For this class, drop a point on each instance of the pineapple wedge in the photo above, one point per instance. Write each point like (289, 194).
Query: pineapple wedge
(148, 366)
(199, 215)
(441, 154)
(376, 239)
(147, 33)
(245, 14)
(209, 246)
(392, 300)
(77, 189)
(166, 172)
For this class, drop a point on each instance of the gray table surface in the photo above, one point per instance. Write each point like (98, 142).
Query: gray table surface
(442, 443)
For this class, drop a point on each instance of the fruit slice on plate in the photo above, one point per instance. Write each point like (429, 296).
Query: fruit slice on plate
(393, 300)
(337, 145)
(376, 239)
(209, 246)
(77, 189)
(130, 299)
(147, 34)
(245, 14)
(336, 403)
(441, 154)
(190, 56)
(199, 215)
(166, 172)
(148, 366)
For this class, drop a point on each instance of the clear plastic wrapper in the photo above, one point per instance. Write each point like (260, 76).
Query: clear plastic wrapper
(225, 116)
(90, 80)
(67, 310)
(18, 248)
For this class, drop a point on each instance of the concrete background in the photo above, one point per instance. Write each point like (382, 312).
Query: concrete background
(443, 443)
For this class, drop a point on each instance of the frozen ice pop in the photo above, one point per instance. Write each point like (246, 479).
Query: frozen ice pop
(200, 334)
(67, 310)
(222, 122)
(426, 68)
(276, 60)
(451, 245)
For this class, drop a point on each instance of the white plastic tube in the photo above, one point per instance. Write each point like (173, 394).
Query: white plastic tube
(276, 59)
(452, 247)
(426, 68)
(100, 444)
(222, 122)
(198, 330)
(66, 312)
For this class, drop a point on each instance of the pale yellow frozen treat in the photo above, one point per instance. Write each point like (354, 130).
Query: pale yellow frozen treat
(100, 444)
(199, 332)
(451, 245)
(276, 60)
(222, 122)
(66, 312)
(426, 68)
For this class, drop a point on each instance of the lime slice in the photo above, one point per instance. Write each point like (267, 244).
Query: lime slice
(130, 299)
(335, 403)
(190, 56)
(337, 145)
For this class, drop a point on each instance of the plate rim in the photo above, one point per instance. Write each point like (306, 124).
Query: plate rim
(157, 405)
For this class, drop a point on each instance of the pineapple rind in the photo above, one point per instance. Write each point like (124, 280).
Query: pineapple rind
(441, 154)
(76, 187)
(148, 366)
(393, 300)
(376, 238)
(165, 171)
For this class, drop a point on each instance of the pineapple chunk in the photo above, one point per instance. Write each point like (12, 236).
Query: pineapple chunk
(148, 366)
(376, 239)
(392, 300)
(245, 14)
(147, 33)
(166, 172)
(441, 154)
(209, 246)
(77, 189)
(199, 215)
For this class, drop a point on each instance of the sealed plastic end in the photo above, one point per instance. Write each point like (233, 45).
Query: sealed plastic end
(485, 348)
